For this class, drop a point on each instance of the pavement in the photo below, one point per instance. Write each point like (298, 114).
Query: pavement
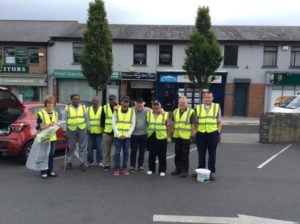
(240, 130)
(240, 120)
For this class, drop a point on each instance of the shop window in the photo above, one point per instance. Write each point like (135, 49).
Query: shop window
(165, 54)
(33, 55)
(139, 54)
(295, 56)
(10, 56)
(230, 55)
(270, 56)
(77, 50)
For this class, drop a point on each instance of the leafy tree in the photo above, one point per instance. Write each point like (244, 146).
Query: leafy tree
(203, 53)
(96, 58)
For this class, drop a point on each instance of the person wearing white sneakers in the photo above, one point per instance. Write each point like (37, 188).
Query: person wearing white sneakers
(157, 138)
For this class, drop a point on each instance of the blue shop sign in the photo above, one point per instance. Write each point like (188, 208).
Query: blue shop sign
(168, 78)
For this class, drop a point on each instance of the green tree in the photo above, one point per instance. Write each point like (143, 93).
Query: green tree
(203, 52)
(96, 58)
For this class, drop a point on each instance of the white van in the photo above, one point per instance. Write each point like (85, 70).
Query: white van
(291, 105)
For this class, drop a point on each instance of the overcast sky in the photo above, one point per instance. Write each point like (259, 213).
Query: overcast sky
(180, 12)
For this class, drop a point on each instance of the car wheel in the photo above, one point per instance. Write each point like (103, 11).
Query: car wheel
(25, 152)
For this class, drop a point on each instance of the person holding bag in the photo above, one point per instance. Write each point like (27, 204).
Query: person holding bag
(46, 118)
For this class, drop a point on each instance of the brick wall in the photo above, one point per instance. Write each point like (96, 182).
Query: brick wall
(123, 88)
(256, 98)
(41, 67)
(228, 104)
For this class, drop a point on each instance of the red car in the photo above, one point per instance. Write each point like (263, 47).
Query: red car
(18, 125)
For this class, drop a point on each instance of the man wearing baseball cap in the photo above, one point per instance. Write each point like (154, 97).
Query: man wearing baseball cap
(123, 123)
(158, 133)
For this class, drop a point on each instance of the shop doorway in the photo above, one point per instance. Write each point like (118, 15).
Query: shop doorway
(240, 101)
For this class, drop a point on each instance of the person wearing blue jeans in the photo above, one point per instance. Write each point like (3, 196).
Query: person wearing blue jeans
(95, 142)
(95, 133)
(123, 123)
(119, 145)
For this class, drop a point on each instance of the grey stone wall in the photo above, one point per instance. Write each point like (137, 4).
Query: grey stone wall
(279, 128)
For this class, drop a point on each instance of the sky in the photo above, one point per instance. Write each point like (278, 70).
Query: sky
(167, 12)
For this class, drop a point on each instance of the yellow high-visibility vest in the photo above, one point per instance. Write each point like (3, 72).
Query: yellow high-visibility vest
(95, 119)
(46, 120)
(207, 121)
(108, 118)
(182, 124)
(124, 123)
(158, 126)
(76, 118)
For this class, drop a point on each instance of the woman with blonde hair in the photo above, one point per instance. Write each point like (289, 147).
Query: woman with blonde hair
(45, 119)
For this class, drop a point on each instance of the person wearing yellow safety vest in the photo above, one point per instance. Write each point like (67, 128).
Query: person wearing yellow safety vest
(95, 133)
(108, 133)
(123, 123)
(209, 124)
(184, 122)
(158, 137)
(75, 130)
(46, 118)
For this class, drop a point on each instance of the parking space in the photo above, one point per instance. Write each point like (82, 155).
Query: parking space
(96, 196)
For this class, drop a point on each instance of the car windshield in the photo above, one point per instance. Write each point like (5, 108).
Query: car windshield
(284, 103)
(295, 103)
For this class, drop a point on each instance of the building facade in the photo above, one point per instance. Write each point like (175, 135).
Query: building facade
(260, 64)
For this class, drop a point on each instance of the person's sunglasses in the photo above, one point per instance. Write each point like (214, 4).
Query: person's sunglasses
(126, 101)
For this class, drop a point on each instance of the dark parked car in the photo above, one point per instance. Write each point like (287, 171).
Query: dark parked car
(18, 125)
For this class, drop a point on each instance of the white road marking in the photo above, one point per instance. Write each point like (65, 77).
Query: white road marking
(172, 156)
(273, 157)
(193, 219)
(241, 219)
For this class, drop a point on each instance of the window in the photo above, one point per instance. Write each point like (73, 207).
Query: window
(139, 54)
(77, 49)
(9, 54)
(295, 57)
(230, 55)
(33, 55)
(270, 56)
(0, 56)
(165, 54)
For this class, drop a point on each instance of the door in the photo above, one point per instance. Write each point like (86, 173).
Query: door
(240, 100)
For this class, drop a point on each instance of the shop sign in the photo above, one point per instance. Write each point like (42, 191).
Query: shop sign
(14, 69)
(18, 81)
(285, 79)
(21, 56)
(116, 76)
(168, 78)
(77, 74)
(185, 79)
(138, 76)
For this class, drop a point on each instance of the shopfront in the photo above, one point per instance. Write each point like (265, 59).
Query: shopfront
(27, 87)
(67, 82)
(139, 84)
(172, 85)
(279, 86)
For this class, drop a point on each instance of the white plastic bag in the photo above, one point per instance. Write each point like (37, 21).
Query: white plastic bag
(39, 155)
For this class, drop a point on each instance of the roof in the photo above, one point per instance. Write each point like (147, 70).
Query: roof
(38, 31)
(43, 31)
(181, 32)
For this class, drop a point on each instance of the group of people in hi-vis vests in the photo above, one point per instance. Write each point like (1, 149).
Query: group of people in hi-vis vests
(139, 128)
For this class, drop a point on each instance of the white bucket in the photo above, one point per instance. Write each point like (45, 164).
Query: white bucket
(203, 175)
